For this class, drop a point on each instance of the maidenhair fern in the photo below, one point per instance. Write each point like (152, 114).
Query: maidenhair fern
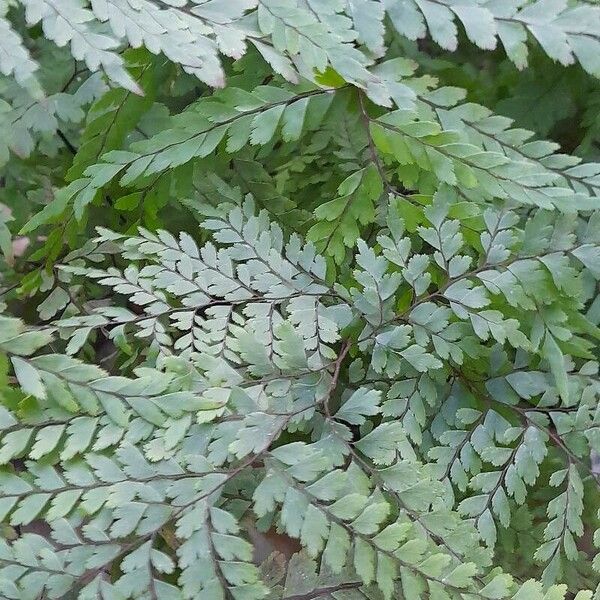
(329, 331)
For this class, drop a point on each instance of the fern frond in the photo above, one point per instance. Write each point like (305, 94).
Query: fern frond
(567, 33)
(67, 22)
(15, 58)
(329, 332)
(495, 133)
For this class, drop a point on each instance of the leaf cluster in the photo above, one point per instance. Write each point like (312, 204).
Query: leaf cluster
(282, 273)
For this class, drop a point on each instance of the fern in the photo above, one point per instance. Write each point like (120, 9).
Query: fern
(566, 33)
(341, 302)
(276, 296)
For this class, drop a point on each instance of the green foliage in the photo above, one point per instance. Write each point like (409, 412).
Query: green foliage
(290, 309)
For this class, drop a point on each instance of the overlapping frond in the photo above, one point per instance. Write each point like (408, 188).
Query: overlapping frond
(248, 343)
(338, 303)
